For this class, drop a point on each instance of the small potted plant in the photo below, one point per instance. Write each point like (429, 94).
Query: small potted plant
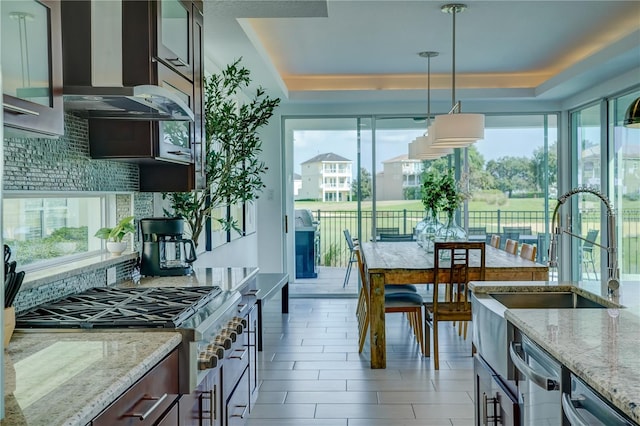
(115, 235)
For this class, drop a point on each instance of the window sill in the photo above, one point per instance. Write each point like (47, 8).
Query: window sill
(44, 276)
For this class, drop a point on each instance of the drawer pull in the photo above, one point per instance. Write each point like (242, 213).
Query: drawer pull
(18, 110)
(209, 414)
(151, 409)
(244, 411)
(177, 62)
(244, 352)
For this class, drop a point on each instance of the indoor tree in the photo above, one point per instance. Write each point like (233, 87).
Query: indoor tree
(233, 170)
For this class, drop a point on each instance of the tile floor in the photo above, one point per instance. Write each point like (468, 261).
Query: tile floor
(312, 374)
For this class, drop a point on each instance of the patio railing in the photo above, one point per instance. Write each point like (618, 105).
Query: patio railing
(334, 251)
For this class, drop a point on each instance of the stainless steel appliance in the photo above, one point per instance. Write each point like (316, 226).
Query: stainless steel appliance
(212, 322)
(584, 407)
(538, 381)
(164, 251)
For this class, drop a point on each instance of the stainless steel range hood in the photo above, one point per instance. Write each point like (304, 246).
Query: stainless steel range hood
(93, 83)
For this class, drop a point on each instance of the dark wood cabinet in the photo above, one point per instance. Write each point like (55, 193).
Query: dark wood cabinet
(203, 407)
(161, 45)
(32, 69)
(149, 401)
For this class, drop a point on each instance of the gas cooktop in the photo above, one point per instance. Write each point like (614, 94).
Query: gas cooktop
(108, 307)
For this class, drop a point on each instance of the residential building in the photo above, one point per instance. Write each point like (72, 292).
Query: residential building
(399, 175)
(326, 177)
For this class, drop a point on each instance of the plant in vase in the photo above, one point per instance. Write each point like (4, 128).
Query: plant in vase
(115, 235)
(452, 198)
(432, 201)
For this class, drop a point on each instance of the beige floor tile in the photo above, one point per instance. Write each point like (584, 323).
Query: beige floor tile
(364, 411)
(439, 411)
(331, 398)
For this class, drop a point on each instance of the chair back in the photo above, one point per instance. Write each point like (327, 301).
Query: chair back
(511, 246)
(347, 236)
(396, 237)
(452, 264)
(362, 311)
(477, 230)
(495, 241)
(528, 251)
(389, 231)
(592, 234)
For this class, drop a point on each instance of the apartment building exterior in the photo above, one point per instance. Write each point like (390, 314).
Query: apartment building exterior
(398, 174)
(326, 177)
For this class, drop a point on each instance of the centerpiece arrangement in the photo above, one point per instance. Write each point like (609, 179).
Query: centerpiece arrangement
(440, 193)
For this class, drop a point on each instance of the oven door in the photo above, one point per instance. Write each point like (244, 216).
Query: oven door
(538, 383)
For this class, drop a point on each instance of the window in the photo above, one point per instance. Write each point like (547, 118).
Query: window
(42, 230)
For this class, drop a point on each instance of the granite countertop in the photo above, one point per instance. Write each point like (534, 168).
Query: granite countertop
(228, 279)
(67, 378)
(600, 346)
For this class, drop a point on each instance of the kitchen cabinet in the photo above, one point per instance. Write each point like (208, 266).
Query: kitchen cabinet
(32, 66)
(162, 45)
(203, 407)
(149, 401)
(495, 404)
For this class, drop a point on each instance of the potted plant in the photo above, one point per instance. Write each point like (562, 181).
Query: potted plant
(233, 171)
(432, 202)
(115, 235)
(452, 198)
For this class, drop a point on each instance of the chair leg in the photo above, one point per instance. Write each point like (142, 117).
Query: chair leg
(436, 359)
(420, 331)
(346, 277)
(427, 336)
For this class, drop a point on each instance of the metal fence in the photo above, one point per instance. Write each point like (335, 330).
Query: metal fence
(334, 250)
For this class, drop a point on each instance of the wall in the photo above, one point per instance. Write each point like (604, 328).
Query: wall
(63, 165)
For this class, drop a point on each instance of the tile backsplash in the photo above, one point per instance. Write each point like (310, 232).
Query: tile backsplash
(63, 164)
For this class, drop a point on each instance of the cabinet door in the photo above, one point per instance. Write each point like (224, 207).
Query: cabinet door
(174, 36)
(495, 405)
(203, 407)
(32, 66)
(174, 137)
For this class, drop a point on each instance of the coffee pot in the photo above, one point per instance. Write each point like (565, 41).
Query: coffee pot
(164, 251)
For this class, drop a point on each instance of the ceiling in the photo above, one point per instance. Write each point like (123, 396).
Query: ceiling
(358, 50)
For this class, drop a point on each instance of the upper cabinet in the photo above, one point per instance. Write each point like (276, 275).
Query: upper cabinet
(158, 44)
(32, 66)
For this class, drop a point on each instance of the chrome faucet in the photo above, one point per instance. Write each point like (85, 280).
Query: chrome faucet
(613, 272)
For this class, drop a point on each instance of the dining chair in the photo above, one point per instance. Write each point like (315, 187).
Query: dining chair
(351, 245)
(407, 302)
(528, 251)
(450, 302)
(396, 237)
(511, 246)
(495, 241)
(587, 251)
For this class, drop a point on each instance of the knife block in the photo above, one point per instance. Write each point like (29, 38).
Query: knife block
(9, 324)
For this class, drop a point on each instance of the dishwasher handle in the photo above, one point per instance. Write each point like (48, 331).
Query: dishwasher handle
(570, 412)
(546, 383)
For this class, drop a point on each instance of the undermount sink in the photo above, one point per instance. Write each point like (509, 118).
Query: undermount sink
(545, 300)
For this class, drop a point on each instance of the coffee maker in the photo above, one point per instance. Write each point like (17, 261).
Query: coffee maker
(164, 251)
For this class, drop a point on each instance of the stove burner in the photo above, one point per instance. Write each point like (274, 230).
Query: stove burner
(107, 307)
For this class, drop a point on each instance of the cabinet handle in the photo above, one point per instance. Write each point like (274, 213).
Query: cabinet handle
(18, 110)
(244, 352)
(244, 411)
(485, 419)
(151, 409)
(569, 410)
(209, 414)
(179, 152)
(546, 383)
(177, 62)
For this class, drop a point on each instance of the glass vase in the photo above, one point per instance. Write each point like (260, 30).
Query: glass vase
(426, 230)
(451, 231)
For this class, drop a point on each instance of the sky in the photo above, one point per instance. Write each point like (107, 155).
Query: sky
(391, 143)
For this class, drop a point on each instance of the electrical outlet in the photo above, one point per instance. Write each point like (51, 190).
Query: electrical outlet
(111, 275)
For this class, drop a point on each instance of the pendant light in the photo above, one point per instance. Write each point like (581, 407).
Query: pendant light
(632, 116)
(422, 147)
(457, 130)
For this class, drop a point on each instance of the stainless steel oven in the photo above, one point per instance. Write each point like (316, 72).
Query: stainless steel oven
(538, 377)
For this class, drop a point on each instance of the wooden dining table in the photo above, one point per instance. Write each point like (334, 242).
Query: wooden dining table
(408, 263)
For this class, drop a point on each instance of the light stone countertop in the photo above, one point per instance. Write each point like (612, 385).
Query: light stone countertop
(67, 378)
(228, 279)
(600, 346)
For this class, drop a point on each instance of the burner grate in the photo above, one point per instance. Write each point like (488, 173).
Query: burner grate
(109, 307)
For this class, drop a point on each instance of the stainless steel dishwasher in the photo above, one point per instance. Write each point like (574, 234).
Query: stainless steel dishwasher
(538, 381)
(584, 407)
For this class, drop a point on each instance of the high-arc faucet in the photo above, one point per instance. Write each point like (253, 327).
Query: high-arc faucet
(613, 272)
